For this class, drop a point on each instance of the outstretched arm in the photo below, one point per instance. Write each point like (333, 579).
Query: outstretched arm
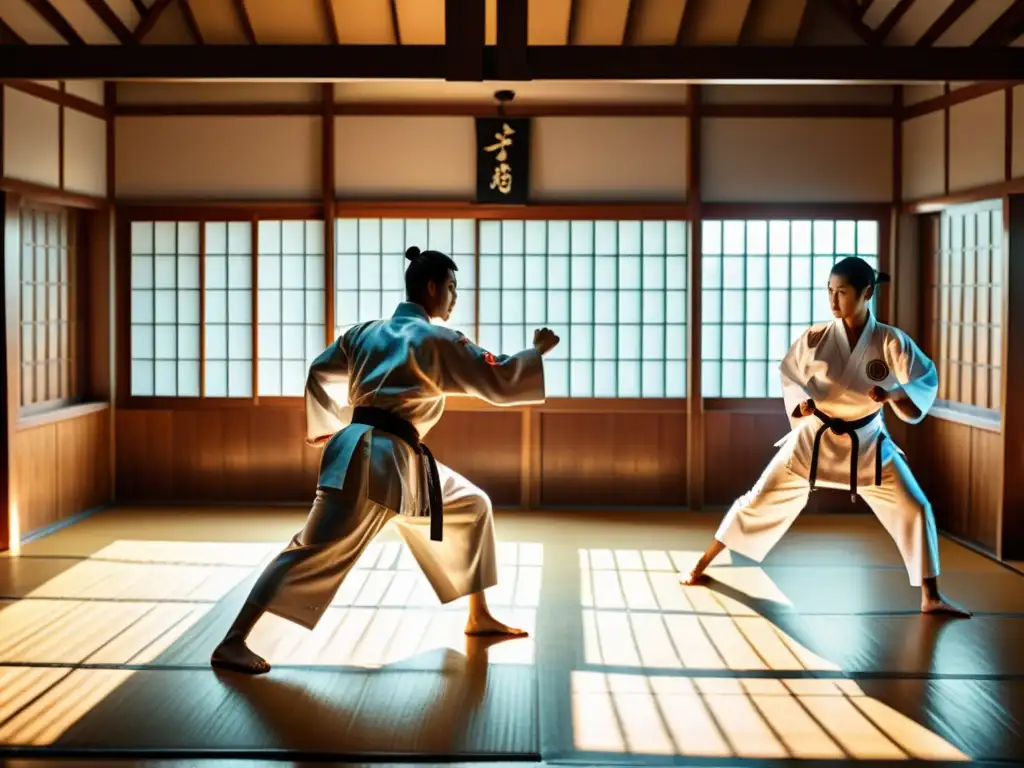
(467, 369)
(327, 393)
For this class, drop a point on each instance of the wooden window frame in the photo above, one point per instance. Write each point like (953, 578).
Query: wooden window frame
(77, 358)
(987, 418)
(285, 211)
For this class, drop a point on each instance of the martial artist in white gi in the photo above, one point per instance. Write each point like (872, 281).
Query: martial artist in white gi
(836, 379)
(370, 397)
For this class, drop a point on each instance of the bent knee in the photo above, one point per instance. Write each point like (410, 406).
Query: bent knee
(481, 505)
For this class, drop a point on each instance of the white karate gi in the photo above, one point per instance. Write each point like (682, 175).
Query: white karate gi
(405, 365)
(820, 366)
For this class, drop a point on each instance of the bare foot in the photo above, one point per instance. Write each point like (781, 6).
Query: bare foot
(939, 605)
(695, 577)
(488, 625)
(235, 656)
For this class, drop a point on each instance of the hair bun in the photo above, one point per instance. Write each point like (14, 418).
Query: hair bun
(881, 277)
(412, 252)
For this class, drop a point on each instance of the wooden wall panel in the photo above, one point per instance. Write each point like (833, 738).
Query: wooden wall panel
(85, 153)
(258, 454)
(745, 159)
(437, 159)
(239, 158)
(90, 90)
(613, 459)
(797, 94)
(61, 468)
(600, 158)
(959, 468)
(738, 446)
(977, 141)
(31, 138)
(924, 156)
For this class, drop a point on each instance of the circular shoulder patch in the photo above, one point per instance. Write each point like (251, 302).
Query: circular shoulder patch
(877, 370)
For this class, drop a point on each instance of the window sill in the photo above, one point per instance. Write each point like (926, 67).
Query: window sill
(969, 416)
(66, 413)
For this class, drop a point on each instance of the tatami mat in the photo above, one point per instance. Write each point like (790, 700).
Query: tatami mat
(106, 628)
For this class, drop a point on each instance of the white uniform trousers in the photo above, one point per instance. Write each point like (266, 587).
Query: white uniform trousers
(301, 581)
(757, 520)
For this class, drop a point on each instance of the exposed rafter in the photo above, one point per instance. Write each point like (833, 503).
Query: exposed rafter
(574, 14)
(470, 60)
(56, 20)
(849, 14)
(892, 19)
(330, 21)
(633, 8)
(394, 21)
(149, 21)
(750, 19)
(1005, 29)
(111, 20)
(941, 25)
(687, 23)
(245, 21)
(8, 36)
(190, 21)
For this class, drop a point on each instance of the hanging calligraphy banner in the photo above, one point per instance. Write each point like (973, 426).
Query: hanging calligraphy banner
(502, 160)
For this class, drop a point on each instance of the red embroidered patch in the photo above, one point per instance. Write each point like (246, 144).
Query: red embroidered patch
(490, 358)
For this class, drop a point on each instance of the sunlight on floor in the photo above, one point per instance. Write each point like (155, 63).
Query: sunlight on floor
(386, 612)
(635, 614)
(132, 600)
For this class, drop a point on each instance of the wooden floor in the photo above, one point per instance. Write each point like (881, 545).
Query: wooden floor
(818, 653)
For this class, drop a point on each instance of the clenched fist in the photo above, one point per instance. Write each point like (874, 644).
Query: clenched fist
(878, 394)
(544, 340)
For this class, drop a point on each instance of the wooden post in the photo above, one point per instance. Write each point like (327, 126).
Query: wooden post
(10, 527)
(694, 397)
(1011, 520)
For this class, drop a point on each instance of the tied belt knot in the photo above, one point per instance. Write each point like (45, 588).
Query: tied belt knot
(402, 429)
(849, 428)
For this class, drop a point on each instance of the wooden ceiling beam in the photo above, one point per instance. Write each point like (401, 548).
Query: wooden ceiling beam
(513, 39)
(1005, 29)
(111, 20)
(465, 36)
(140, 7)
(56, 20)
(941, 25)
(892, 19)
(792, 63)
(863, 8)
(149, 21)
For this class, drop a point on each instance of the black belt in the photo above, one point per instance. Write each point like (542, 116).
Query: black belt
(843, 427)
(400, 428)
